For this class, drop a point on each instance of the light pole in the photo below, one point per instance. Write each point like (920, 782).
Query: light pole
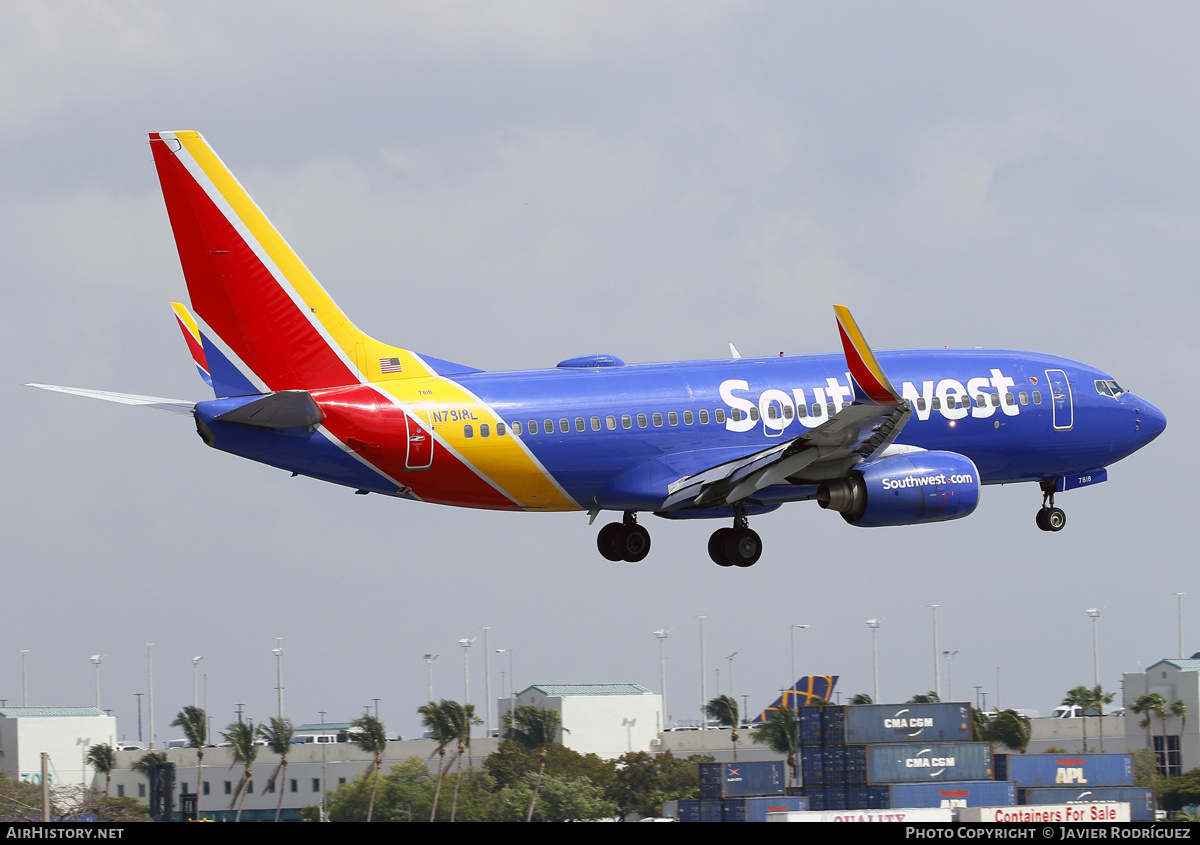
(196, 680)
(512, 687)
(730, 659)
(278, 652)
(793, 679)
(96, 659)
(873, 624)
(487, 683)
(703, 678)
(1180, 597)
(24, 680)
(466, 646)
(949, 655)
(1095, 614)
(937, 669)
(429, 658)
(150, 684)
(661, 633)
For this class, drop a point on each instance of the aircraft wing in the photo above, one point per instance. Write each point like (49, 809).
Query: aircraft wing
(174, 406)
(850, 436)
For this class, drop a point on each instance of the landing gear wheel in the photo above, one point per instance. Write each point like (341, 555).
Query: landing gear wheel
(1051, 519)
(606, 541)
(743, 547)
(633, 542)
(716, 547)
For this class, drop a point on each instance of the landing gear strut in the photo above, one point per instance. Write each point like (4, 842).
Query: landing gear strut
(1050, 518)
(625, 540)
(736, 546)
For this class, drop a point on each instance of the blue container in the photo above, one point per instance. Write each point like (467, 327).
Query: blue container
(810, 726)
(971, 793)
(689, 809)
(928, 762)
(711, 809)
(756, 809)
(812, 767)
(868, 724)
(1074, 770)
(1140, 798)
(734, 780)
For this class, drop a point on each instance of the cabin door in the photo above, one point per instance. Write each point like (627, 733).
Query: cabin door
(1060, 397)
(420, 439)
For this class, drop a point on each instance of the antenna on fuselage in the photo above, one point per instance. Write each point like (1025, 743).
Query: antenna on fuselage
(733, 353)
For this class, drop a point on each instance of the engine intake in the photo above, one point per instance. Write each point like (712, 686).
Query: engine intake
(906, 489)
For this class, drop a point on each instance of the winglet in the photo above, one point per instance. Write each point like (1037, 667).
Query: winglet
(191, 335)
(869, 379)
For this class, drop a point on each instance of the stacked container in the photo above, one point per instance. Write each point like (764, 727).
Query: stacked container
(884, 756)
(740, 792)
(1074, 778)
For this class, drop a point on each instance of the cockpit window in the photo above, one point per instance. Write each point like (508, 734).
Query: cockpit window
(1108, 387)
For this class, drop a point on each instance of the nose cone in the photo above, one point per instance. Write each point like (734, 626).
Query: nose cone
(1150, 421)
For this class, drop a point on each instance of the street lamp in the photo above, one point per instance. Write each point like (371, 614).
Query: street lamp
(1095, 614)
(937, 669)
(96, 658)
(1180, 597)
(466, 646)
(730, 659)
(792, 637)
(196, 680)
(429, 658)
(278, 652)
(949, 655)
(873, 624)
(703, 679)
(661, 633)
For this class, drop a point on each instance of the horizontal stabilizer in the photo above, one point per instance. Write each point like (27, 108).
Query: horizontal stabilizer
(286, 409)
(174, 406)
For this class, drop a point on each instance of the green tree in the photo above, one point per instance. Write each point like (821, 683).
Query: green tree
(441, 729)
(533, 727)
(930, 697)
(368, 734)
(1179, 708)
(861, 698)
(781, 734)
(642, 782)
(556, 799)
(151, 758)
(1099, 697)
(1151, 704)
(193, 721)
(241, 736)
(1080, 697)
(724, 711)
(103, 758)
(278, 734)
(1010, 729)
(461, 718)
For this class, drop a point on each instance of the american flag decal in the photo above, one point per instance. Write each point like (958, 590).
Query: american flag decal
(390, 365)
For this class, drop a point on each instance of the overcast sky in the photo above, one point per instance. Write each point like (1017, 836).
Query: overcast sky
(512, 184)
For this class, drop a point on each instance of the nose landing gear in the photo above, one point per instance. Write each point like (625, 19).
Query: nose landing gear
(1050, 518)
(625, 540)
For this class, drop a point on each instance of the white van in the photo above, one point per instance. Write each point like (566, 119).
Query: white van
(314, 739)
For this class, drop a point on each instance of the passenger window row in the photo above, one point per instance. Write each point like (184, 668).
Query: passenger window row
(610, 422)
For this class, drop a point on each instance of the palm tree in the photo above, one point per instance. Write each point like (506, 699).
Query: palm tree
(278, 734)
(1150, 704)
(441, 730)
(1010, 729)
(724, 710)
(779, 733)
(533, 727)
(461, 717)
(369, 735)
(194, 723)
(1080, 697)
(1099, 698)
(103, 758)
(930, 697)
(1179, 708)
(861, 698)
(242, 735)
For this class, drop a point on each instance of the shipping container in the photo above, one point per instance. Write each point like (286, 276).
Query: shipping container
(812, 767)
(1139, 798)
(810, 726)
(868, 724)
(733, 780)
(970, 793)
(926, 762)
(1030, 770)
(756, 809)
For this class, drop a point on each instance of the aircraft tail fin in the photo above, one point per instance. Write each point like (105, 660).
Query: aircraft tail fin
(870, 381)
(257, 304)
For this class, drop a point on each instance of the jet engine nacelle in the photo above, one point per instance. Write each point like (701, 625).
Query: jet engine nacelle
(905, 489)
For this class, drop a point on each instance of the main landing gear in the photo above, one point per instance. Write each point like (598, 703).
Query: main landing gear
(1050, 518)
(736, 546)
(625, 540)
